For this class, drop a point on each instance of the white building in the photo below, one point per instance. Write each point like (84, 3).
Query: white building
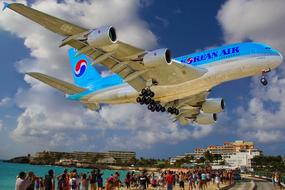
(242, 159)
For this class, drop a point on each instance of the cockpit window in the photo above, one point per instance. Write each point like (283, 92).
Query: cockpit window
(267, 47)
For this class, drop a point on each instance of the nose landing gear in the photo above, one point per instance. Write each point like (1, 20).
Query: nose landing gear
(263, 79)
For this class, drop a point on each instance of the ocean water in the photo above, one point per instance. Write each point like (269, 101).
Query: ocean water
(9, 172)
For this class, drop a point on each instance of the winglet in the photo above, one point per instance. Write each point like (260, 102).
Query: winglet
(6, 5)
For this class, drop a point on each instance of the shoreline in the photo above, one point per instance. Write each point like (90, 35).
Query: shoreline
(104, 167)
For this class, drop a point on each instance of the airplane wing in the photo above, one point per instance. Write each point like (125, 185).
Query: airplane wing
(121, 58)
(62, 86)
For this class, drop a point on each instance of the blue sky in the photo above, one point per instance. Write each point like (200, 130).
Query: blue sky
(35, 117)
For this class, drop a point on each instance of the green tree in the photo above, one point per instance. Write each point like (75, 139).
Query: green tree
(208, 156)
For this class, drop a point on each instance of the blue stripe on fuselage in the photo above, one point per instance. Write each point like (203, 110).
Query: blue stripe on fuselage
(226, 52)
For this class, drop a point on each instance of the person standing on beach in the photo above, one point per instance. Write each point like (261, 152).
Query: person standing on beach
(143, 181)
(49, 181)
(21, 182)
(100, 181)
(84, 182)
(218, 180)
(110, 183)
(128, 180)
(62, 184)
(169, 180)
(93, 180)
(31, 177)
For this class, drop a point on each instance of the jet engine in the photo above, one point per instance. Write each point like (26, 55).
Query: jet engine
(206, 118)
(101, 37)
(214, 105)
(157, 57)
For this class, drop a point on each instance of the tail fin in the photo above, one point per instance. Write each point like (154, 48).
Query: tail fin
(82, 70)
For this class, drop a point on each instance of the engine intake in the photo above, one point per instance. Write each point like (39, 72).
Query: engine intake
(213, 105)
(206, 118)
(157, 57)
(101, 37)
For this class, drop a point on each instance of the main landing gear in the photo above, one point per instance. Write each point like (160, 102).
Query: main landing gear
(263, 79)
(146, 97)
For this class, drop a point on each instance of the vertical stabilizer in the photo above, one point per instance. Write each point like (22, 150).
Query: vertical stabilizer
(82, 70)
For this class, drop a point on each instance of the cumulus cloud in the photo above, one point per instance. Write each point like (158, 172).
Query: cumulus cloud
(5, 102)
(259, 20)
(48, 119)
(164, 21)
(1, 125)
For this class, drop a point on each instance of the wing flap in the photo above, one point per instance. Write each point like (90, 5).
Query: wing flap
(92, 106)
(60, 85)
(189, 107)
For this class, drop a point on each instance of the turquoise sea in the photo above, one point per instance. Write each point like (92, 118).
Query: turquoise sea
(9, 171)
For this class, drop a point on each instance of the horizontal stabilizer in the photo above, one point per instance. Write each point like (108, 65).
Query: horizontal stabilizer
(60, 85)
(5, 6)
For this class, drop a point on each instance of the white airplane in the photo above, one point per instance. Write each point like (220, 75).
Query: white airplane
(179, 85)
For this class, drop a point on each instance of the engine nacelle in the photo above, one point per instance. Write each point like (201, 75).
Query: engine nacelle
(157, 57)
(103, 36)
(213, 105)
(206, 118)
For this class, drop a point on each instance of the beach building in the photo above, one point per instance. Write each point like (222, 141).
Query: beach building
(237, 153)
(226, 149)
(242, 159)
(124, 156)
(110, 157)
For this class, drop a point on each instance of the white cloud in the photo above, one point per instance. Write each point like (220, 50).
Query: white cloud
(1, 125)
(164, 21)
(5, 102)
(51, 121)
(259, 20)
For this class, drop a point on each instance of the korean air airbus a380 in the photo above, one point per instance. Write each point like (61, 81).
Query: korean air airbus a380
(179, 85)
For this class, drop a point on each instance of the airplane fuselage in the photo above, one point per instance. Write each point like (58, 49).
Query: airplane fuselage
(223, 64)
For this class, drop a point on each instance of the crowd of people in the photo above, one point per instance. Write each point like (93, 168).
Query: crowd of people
(194, 179)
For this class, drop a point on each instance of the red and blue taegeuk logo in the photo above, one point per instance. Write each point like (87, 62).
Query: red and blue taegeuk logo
(189, 60)
(80, 68)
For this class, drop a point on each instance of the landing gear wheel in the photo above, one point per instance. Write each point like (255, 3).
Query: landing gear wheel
(148, 92)
(163, 109)
(158, 107)
(151, 94)
(169, 110)
(139, 99)
(144, 99)
(147, 100)
(263, 81)
(176, 112)
(143, 92)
